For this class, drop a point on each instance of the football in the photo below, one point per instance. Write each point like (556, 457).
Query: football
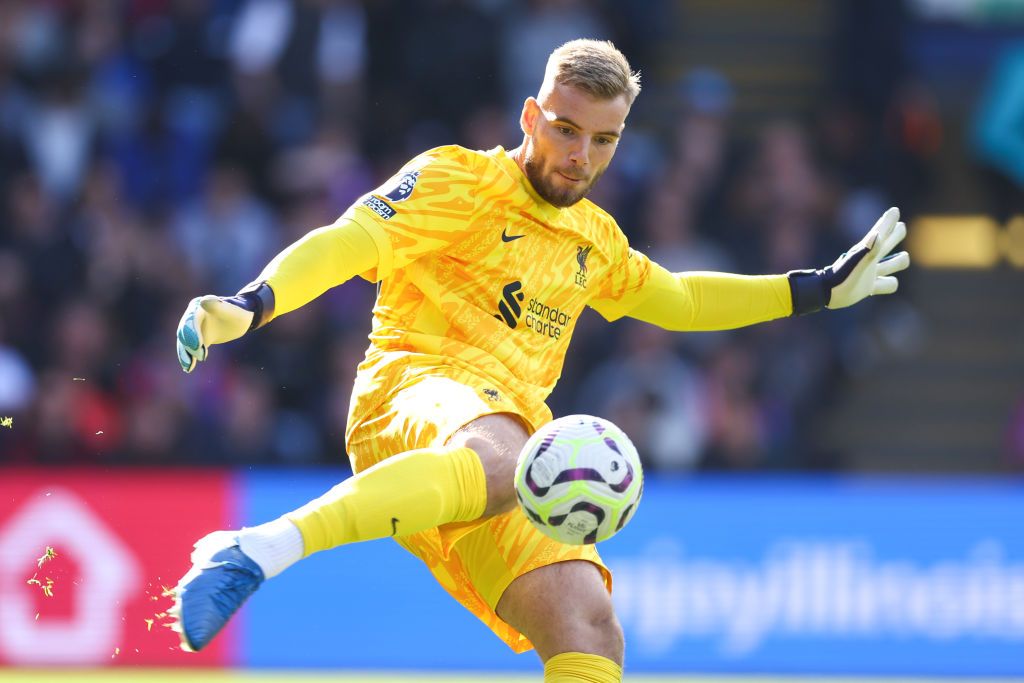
(579, 479)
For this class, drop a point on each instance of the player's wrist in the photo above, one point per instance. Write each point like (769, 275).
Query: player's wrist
(810, 290)
(258, 298)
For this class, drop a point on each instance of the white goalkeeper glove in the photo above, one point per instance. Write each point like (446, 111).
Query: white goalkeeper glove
(216, 319)
(864, 270)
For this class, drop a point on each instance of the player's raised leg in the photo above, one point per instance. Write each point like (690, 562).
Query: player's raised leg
(410, 492)
(566, 611)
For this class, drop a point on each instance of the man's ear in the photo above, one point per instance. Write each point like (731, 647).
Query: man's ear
(528, 119)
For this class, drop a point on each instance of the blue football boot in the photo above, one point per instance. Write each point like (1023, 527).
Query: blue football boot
(222, 577)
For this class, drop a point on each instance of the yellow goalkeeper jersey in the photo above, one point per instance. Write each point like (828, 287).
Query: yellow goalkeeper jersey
(507, 277)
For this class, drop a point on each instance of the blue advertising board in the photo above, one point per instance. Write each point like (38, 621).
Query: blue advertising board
(714, 574)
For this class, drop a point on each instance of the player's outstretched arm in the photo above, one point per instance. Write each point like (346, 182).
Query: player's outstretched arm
(322, 259)
(867, 268)
(212, 320)
(699, 301)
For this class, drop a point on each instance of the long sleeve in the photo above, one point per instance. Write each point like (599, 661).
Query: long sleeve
(702, 301)
(322, 259)
(421, 209)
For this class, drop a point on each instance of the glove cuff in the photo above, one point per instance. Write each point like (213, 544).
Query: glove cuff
(257, 297)
(809, 290)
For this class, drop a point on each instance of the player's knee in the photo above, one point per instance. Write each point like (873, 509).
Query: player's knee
(564, 607)
(592, 628)
(497, 440)
(499, 473)
(606, 633)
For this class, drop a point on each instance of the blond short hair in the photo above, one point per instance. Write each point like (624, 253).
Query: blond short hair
(594, 66)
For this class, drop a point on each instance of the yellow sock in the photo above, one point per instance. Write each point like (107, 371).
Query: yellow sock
(402, 495)
(577, 667)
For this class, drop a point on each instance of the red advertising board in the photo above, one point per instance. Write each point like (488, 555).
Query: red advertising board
(120, 537)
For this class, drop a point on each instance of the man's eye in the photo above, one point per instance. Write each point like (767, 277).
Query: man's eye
(604, 141)
(564, 130)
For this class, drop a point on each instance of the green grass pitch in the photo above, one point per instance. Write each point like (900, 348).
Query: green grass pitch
(221, 676)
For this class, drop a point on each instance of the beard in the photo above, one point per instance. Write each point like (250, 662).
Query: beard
(560, 197)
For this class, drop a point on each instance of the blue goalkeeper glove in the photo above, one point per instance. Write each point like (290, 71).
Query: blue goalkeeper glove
(866, 269)
(212, 320)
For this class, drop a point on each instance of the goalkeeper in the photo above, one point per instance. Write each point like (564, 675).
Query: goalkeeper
(485, 261)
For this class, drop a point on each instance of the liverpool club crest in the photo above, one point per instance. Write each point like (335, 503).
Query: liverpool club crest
(581, 258)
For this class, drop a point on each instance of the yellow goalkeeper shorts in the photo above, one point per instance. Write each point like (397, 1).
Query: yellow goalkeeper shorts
(473, 561)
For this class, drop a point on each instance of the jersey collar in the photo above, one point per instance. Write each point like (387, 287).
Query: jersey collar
(548, 212)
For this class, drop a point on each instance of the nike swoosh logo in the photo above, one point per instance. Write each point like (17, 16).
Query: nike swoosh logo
(505, 237)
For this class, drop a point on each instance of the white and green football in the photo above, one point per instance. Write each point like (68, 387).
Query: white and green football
(579, 479)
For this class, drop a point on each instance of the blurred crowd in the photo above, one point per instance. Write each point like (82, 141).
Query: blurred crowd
(156, 150)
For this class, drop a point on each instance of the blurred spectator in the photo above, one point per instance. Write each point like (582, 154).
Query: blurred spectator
(653, 395)
(1014, 437)
(181, 50)
(738, 422)
(154, 412)
(75, 420)
(329, 166)
(58, 132)
(245, 434)
(998, 133)
(17, 383)
(488, 127)
(346, 352)
(916, 133)
(432, 64)
(81, 338)
(51, 255)
(289, 57)
(531, 32)
(227, 235)
(673, 239)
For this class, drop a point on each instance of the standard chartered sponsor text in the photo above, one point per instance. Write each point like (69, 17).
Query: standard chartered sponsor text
(818, 588)
(545, 319)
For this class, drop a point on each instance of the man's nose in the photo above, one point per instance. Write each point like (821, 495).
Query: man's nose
(579, 155)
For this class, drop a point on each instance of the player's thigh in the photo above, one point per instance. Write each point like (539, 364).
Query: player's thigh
(426, 413)
(564, 607)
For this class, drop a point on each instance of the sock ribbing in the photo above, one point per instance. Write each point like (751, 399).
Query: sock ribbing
(579, 667)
